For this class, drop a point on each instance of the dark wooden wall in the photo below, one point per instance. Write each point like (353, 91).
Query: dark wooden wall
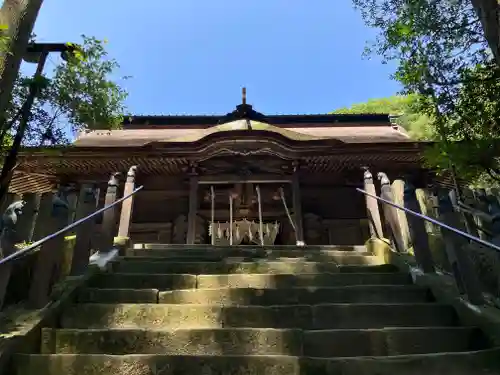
(340, 209)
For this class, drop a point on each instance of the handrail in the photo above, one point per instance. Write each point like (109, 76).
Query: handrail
(475, 211)
(433, 221)
(36, 244)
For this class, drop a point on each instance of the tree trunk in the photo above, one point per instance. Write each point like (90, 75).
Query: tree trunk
(19, 16)
(488, 12)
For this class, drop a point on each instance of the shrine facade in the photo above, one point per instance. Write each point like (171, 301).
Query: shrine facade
(241, 178)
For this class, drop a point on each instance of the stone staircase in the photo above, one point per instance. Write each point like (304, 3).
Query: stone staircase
(200, 310)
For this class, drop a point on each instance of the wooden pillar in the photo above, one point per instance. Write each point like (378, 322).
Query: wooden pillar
(128, 204)
(48, 256)
(462, 266)
(468, 198)
(297, 205)
(494, 210)
(398, 194)
(482, 204)
(193, 207)
(372, 207)
(87, 204)
(390, 212)
(108, 226)
(72, 199)
(44, 214)
(418, 232)
(27, 220)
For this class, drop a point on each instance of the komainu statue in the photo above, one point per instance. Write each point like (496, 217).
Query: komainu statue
(8, 227)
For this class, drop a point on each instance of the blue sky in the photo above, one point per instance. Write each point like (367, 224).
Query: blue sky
(193, 56)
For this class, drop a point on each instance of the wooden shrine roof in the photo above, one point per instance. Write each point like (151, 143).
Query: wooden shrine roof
(348, 128)
(141, 137)
(167, 145)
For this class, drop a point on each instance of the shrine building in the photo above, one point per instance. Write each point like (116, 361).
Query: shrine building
(240, 178)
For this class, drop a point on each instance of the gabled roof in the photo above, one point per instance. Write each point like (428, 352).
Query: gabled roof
(136, 137)
(143, 130)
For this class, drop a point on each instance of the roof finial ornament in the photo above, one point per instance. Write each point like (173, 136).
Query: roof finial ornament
(244, 95)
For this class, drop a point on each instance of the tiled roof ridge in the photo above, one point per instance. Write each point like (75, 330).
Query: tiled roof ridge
(267, 115)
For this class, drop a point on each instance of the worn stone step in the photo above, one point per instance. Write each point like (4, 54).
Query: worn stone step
(99, 295)
(248, 252)
(268, 281)
(392, 341)
(308, 296)
(143, 281)
(466, 363)
(263, 281)
(342, 257)
(233, 341)
(264, 341)
(289, 296)
(263, 297)
(144, 364)
(337, 256)
(326, 316)
(217, 268)
(246, 248)
(484, 362)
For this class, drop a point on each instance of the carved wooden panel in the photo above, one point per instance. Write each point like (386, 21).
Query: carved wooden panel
(245, 165)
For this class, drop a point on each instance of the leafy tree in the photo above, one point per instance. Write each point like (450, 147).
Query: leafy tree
(405, 110)
(80, 95)
(443, 57)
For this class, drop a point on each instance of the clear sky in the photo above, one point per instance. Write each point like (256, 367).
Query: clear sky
(193, 56)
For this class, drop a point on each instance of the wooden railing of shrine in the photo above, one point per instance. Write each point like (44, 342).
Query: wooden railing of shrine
(66, 237)
(445, 235)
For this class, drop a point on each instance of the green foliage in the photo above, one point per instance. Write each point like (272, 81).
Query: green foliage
(80, 95)
(405, 110)
(443, 58)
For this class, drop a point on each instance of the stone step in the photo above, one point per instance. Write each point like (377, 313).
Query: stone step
(246, 248)
(268, 281)
(265, 281)
(245, 341)
(210, 255)
(307, 296)
(217, 268)
(340, 257)
(465, 363)
(235, 341)
(143, 281)
(262, 297)
(326, 316)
